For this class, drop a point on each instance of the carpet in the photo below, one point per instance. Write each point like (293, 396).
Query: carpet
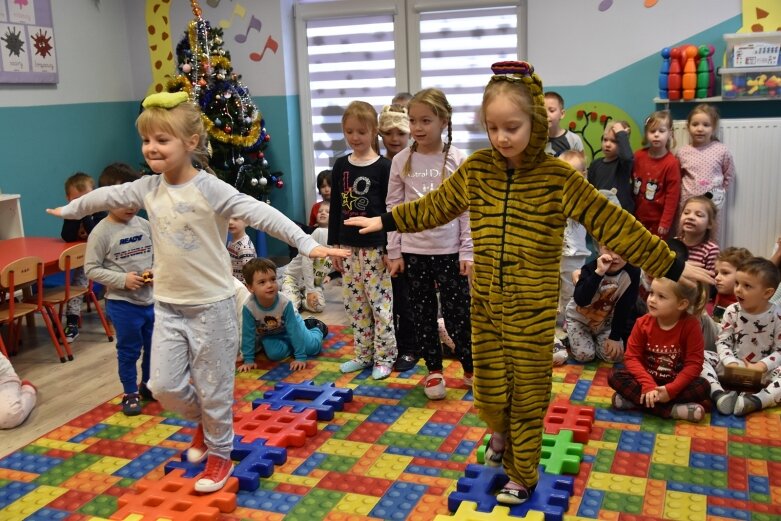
(392, 454)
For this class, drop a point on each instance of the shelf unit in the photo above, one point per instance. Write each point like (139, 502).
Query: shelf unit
(11, 216)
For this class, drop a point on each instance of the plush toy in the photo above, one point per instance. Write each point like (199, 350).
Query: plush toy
(772, 84)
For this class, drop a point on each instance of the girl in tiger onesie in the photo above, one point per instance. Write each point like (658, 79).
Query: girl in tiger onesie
(519, 199)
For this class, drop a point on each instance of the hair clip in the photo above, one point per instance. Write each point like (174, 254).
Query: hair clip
(519, 68)
(166, 100)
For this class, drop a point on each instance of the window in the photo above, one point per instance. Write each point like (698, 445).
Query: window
(359, 50)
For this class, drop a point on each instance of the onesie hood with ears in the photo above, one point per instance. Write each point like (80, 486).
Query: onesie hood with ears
(523, 72)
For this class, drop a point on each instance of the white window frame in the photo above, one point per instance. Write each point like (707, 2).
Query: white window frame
(406, 50)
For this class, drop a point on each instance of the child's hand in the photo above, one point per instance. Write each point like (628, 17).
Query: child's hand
(465, 268)
(614, 348)
(650, 398)
(297, 365)
(395, 266)
(367, 224)
(243, 368)
(320, 252)
(311, 299)
(57, 212)
(603, 263)
(619, 127)
(691, 274)
(663, 395)
(756, 366)
(133, 281)
(662, 231)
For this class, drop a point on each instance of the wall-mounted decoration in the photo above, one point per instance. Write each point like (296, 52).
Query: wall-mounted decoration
(27, 46)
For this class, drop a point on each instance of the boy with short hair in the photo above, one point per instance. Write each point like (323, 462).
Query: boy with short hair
(74, 230)
(559, 139)
(240, 247)
(727, 264)
(750, 337)
(119, 256)
(304, 278)
(270, 322)
(613, 171)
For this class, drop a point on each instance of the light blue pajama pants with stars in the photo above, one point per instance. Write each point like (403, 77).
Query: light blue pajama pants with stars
(193, 366)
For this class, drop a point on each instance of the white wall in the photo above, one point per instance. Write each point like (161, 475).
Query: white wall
(571, 42)
(92, 57)
(264, 78)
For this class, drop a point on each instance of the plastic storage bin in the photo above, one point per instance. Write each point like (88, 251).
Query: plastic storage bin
(754, 66)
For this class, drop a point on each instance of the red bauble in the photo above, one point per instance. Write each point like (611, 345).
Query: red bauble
(261, 155)
(280, 183)
(228, 129)
(267, 138)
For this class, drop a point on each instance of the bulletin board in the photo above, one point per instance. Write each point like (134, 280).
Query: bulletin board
(28, 53)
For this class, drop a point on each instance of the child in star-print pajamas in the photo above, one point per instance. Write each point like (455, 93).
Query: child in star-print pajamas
(750, 337)
(360, 185)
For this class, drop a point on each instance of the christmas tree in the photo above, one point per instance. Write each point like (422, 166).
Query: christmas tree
(237, 132)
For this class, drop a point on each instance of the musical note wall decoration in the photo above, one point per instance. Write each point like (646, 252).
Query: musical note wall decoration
(237, 11)
(271, 43)
(255, 24)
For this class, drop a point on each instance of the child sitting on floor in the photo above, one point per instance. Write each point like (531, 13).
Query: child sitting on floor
(271, 323)
(750, 333)
(304, 278)
(727, 264)
(664, 356)
(17, 397)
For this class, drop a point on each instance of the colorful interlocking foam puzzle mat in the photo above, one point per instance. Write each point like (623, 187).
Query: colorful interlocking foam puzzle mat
(389, 453)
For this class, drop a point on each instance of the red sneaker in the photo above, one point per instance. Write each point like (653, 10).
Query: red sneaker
(215, 475)
(198, 450)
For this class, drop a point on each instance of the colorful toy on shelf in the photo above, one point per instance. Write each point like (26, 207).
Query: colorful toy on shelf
(706, 77)
(756, 85)
(689, 79)
(664, 72)
(674, 75)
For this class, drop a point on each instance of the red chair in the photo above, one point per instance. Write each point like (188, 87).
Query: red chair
(19, 273)
(71, 258)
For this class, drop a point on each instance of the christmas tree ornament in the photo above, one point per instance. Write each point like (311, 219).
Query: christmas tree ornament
(280, 183)
(230, 116)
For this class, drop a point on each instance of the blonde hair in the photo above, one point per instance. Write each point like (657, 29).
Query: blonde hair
(656, 120)
(518, 93)
(435, 100)
(366, 115)
(697, 296)
(571, 154)
(182, 121)
(711, 112)
(710, 209)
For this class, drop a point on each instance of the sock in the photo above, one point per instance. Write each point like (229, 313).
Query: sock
(692, 412)
(619, 402)
(72, 320)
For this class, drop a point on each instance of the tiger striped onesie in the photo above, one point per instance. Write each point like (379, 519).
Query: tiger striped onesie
(518, 218)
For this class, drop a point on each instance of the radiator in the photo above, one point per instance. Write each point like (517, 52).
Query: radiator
(752, 217)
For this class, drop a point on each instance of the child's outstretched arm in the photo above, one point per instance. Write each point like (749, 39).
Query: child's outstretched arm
(438, 207)
(106, 198)
(622, 233)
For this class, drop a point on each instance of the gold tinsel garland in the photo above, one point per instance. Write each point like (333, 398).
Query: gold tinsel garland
(181, 82)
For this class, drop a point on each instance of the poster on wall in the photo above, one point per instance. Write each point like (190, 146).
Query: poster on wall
(27, 45)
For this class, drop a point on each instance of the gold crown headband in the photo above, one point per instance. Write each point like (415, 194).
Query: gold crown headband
(166, 100)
